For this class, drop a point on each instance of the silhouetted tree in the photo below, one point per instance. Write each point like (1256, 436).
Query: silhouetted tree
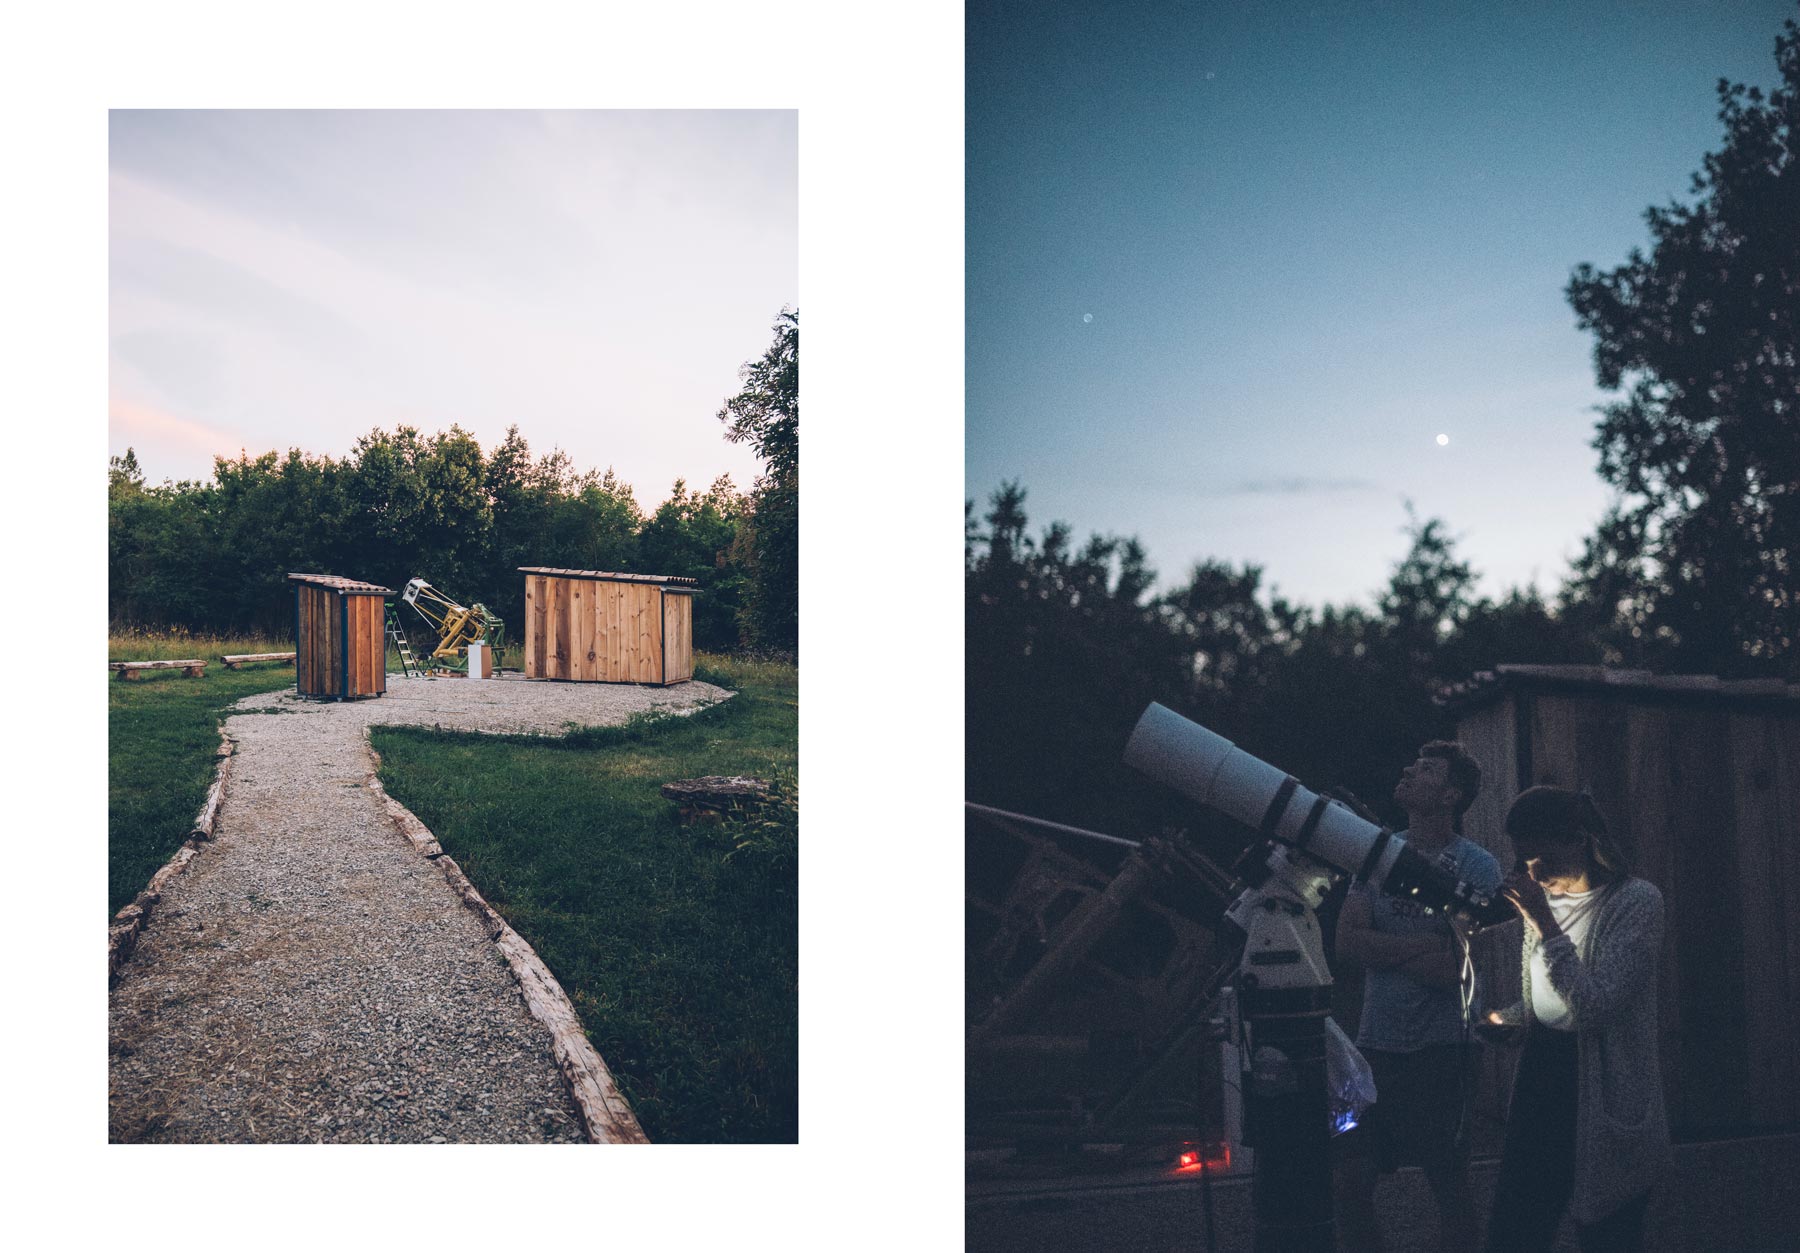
(1063, 648)
(1694, 566)
(766, 415)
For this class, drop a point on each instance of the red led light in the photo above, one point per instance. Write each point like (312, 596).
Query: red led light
(1213, 1157)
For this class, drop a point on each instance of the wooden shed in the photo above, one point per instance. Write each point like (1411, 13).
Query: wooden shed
(1700, 780)
(599, 626)
(340, 637)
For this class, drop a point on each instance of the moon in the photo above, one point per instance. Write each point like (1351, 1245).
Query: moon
(1087, 317)
(1442, 440)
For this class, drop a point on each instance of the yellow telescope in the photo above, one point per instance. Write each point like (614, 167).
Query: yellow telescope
(457, 626)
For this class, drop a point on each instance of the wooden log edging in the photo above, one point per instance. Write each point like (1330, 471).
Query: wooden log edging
(129, 922)
(605, 1113)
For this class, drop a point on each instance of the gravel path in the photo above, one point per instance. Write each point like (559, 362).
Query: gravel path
(310, 977)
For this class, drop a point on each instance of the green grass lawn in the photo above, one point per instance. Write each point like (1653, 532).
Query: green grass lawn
(681, 960)
(162, 732)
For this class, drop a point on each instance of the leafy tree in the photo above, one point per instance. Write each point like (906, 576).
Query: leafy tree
(1694, 566)
(692, 534)
(609, 521)
(1426, 600)
(270, 516)
(1216, 613)
(1520, 627)
(766, 415)
(124, 477)
(1064, 647)
(163, 564)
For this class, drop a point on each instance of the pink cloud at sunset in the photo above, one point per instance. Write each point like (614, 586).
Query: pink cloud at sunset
(164, 438)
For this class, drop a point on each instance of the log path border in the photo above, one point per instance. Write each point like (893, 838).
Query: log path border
(606, 1115)
(129, 922)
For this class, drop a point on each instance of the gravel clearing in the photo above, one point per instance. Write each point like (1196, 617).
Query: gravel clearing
(310, 977)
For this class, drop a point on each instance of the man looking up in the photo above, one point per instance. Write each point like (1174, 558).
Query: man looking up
(1412, 1018)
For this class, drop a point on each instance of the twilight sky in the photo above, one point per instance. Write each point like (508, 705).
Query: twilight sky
(1233, 269)
(285, 279)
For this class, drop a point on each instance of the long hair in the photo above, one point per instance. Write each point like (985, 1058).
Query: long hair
(1567, 817)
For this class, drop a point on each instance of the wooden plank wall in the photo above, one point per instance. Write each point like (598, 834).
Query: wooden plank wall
(302, 653)
(1704, 801)
(368, 647)
(1708, 926)
(534, 626)
(1488, 735)
(378, 640)
(1787, 808)
(1648, 827)
(334, 647)
(302, 645)
(320, 648)
(584, 623)
(646, 632)
(1763, 791)
(325, 609)
(678, 637)
(354, 672)
(610, 644)
(595, 631)
(562, 645)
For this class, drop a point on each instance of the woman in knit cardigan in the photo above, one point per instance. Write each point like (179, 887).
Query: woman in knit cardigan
(1586, 1132)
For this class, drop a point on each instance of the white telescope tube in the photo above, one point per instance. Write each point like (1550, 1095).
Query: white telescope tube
(1212, 770)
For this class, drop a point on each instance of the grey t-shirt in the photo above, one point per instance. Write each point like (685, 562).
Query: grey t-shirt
(1400, 1014)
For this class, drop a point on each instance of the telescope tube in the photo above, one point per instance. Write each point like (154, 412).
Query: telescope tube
(1210, 769)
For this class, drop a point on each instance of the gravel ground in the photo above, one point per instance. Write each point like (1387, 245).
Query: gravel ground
(309, 977)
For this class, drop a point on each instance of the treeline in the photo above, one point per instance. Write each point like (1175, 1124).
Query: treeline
(214, 556)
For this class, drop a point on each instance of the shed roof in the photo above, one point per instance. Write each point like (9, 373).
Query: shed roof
(1487, 686)
(672, 581)
(337, 584)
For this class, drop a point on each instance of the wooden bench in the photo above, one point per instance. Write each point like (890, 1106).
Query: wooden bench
(237, 659)
(194, 668)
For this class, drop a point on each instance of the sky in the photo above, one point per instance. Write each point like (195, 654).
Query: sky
(299, 278)
(1243, 280)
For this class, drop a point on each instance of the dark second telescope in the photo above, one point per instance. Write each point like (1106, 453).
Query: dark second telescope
(1212, 770)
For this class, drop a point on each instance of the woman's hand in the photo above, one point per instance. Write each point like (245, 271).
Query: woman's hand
(1527, 896)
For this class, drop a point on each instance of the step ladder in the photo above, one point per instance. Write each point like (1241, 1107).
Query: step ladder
(409, 665)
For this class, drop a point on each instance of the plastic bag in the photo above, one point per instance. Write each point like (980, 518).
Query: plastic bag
(1350, 1084)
